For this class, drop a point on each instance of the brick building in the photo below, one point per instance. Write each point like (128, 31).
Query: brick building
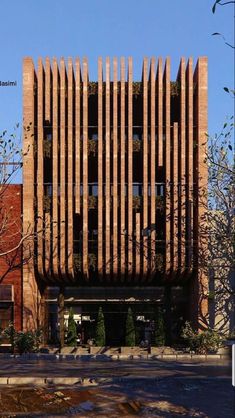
(10, 263)
(114, 184)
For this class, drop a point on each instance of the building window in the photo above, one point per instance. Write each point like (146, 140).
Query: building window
(137, 189)
(159, 189)
(93, 189)
(49, 136)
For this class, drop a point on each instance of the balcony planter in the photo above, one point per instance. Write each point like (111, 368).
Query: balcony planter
(92, 147)
(92, 202)
(92, 261)
(47, 146)
(47, 203)
(159, 262)
(136, 145)
(175, 88)
(160, 203)
(92, 88)
(136, 202)
(136, 88)
(77, 262)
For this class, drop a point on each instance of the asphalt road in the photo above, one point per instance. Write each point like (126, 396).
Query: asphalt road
(161, 389)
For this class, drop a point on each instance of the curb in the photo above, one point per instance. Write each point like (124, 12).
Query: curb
(110, 357)
(86, 382)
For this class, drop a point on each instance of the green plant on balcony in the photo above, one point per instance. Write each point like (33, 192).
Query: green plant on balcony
(92, 146)
(47, 203)
(92, 88)
(92, 261)
(47, 146)
(92, 202)
(175, 88)
(160, 203)
(136, 145)
(159, 262)
(77, 262)
(136, 203)
(136, 88)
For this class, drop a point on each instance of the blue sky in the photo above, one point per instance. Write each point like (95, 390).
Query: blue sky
(138, 28)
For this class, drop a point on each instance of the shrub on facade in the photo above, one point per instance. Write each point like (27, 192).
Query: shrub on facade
(130, 330)
(23, 342)
(201, 342)
(9, 334)
(100, 329)
(72, 330)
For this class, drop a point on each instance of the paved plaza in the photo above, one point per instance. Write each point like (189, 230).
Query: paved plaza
(116, 388)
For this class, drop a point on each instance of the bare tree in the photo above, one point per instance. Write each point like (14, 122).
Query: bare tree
(221, 225)
(12, 239)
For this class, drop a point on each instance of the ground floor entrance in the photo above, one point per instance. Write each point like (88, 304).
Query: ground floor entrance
(147, 316)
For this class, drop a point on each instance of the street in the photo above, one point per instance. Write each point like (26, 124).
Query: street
(119, 388)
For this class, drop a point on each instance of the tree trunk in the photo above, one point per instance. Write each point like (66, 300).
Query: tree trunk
(167, 308)
(61, 316)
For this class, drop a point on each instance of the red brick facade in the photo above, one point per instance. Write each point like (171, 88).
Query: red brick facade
(10, 264)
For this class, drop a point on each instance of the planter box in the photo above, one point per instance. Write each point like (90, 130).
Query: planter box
(163, 350)
(134, 350)
(67, 350)
(98, 350)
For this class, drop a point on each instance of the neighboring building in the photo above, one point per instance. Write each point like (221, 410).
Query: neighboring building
(10, 262)
(113, 183)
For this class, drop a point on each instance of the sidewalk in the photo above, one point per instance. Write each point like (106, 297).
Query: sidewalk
(119, 353)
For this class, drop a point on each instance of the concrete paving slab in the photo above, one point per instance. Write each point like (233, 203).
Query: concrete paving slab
(26, 380)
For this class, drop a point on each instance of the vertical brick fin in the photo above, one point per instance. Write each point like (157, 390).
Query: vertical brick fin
(115, 169)
(31, 297)
(175, 203)
(40, 171)
(55, 178)
(145, 168)
(107, 169)
(77, 135)
(100, 169)
(159, 114)
(189, 166)
(122, 173)
(85, 169)
(201, 179)
(48, 92)
(70, 153)
(47, 122)
(152, 165)
(62, 170)
(130, 169)
(167, 152)
(182, 173)
(137, 246)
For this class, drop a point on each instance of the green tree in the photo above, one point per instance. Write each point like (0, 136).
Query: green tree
(130, 329)
(72, 330)
(100, 329)
(159, 329)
